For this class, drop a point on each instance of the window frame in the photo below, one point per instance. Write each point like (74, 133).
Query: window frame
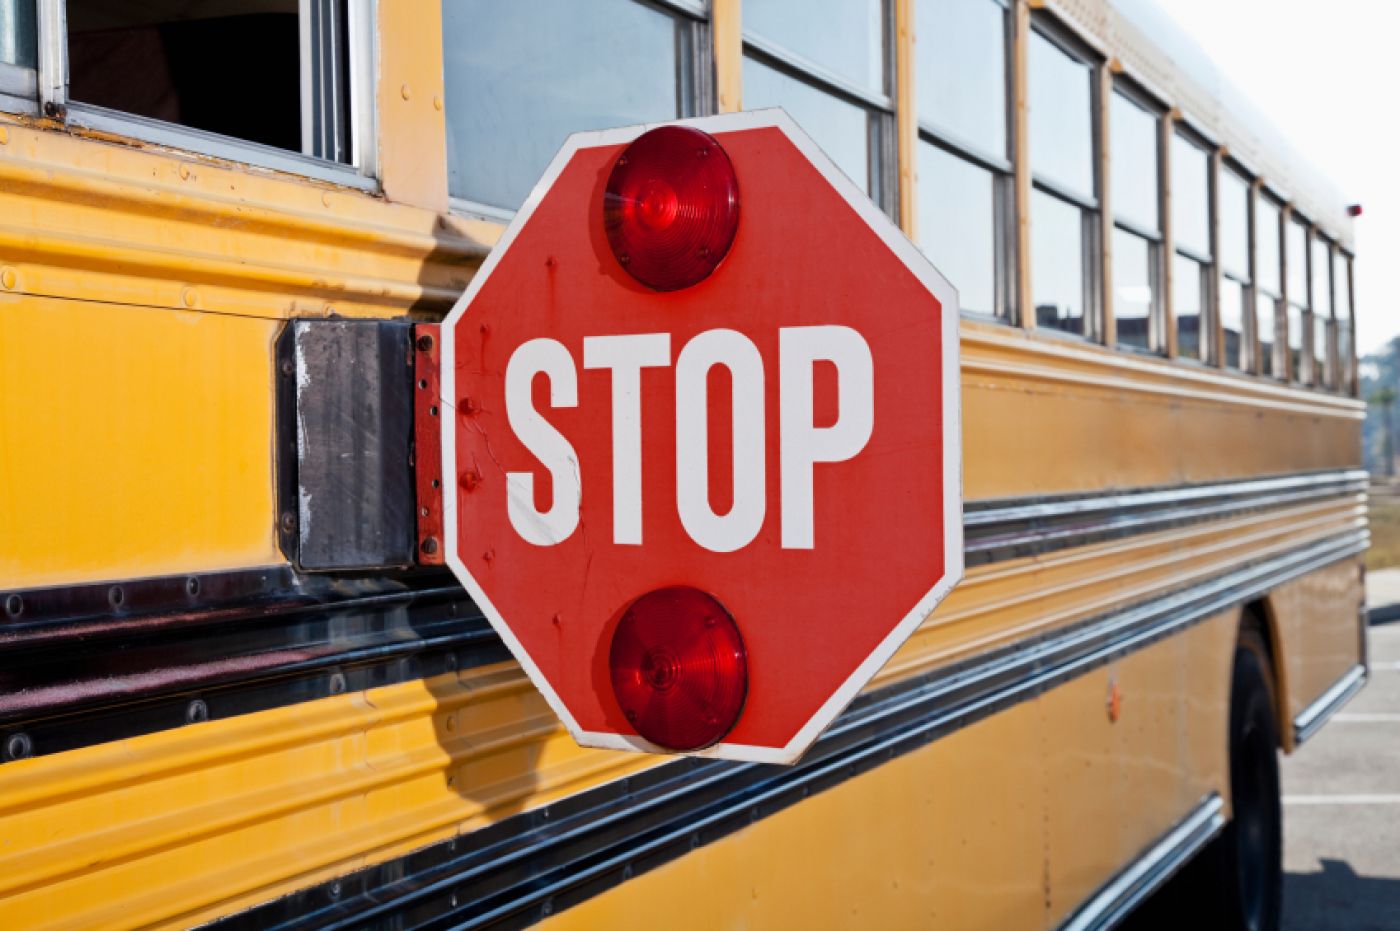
(695, 88)
(1157, 324)
(882, 156)
(1302, 372)
(1003, 172)
(50, 96)
(1090, 208)
(1249, 322)
(1208, 261)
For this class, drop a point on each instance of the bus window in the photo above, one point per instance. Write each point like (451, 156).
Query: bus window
(1268, 286)
(825, 63)
(1062, 169)
(957, 209)
(1320, 267)
(1299, 322)
(520, 77)
(1341, 309)
(1234, 265)
(1233, 313)
(18, 41)
(964, 168)
(1267, 318)
(189, 64)
(1191, 238)
(841, 36)
(1137, 233)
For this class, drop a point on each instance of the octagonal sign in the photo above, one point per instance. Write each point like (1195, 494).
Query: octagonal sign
(703, 503)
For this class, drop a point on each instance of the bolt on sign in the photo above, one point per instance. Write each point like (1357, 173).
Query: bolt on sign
(704, 453)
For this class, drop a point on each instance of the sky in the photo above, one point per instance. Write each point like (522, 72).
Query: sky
(1326, 73)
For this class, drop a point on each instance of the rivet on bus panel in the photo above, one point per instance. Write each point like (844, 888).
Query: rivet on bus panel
(9, 279)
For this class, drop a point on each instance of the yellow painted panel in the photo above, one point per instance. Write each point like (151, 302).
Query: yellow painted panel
(948, 836)
(1315, 620)
(133, 441)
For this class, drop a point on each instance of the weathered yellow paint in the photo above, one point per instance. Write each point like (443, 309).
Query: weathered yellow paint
(727, 26)
(906, 115)
(411, 112)
(133, 441)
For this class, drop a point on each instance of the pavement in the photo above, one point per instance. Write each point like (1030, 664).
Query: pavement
(1341, 796)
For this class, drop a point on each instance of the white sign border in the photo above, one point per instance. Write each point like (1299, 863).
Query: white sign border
(921, 268)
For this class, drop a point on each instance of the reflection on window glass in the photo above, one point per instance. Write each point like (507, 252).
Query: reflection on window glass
(1297, 243)
(1188, 285)
(846, 37)
(1319, 348)
(1266, 315)
(1232, 317)
(1061, 126)
(1133, 302)
(957, 225)
(522, 77)
(1321, 264)
(1296, 329)
(1057, 264)
(962, 70)
(1190, 196)
(18, 36)
(838, 127)
(1134, 163)
(1234, 224)
(1266, 234)
(1340, 308)
(1344, 355)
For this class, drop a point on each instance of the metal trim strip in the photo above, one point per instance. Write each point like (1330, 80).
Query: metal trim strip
(528, 866)
(93, 663)
(1311, 718)
(1145, 875)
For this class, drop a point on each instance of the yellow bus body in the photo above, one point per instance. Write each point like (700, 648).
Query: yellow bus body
(143, 291)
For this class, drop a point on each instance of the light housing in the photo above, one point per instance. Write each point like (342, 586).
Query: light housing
(671, 207)
(679, 669)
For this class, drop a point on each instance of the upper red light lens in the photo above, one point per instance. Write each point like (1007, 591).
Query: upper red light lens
(671, 207)
(679, 669)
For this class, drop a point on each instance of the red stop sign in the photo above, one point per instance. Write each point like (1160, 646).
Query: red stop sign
(780, 440)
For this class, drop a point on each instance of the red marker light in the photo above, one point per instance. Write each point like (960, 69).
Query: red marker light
(1354, 210)
(679, 669)
(671, 207)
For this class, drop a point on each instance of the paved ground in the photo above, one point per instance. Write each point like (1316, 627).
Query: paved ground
(1341, 799)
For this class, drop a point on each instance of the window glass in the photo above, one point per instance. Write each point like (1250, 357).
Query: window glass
(1133, 301)
(1321, 265)
(1234, 224)
(1266, 313)
(1232, 317)
(1344, 355)
(1319, 348)
(846, 37)
(1187, 290)
(18, 35)
(522, 77)
(1061, 126)
(1296, 328)
(962, 70)
(840, 128)
(229, 68)
(1057, 264)
(957, 228)
(1134, 163)
(1341, 309)
(1266, 234)
(1297, 242)
(1190, 196)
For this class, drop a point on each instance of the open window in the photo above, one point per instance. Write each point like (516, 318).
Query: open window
(283, 84)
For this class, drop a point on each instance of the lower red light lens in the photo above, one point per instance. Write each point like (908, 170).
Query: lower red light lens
(679, 669)
(671, 207)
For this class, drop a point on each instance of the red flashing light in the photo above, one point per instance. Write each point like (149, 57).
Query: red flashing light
(671, 207)
(679, 669)
(1354, 210)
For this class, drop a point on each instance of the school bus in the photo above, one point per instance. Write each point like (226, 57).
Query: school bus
(213, 714)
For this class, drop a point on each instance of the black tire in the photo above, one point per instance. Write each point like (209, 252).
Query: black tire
(1240, 876)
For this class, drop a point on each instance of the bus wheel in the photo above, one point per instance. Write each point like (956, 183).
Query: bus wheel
(1242, 870)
